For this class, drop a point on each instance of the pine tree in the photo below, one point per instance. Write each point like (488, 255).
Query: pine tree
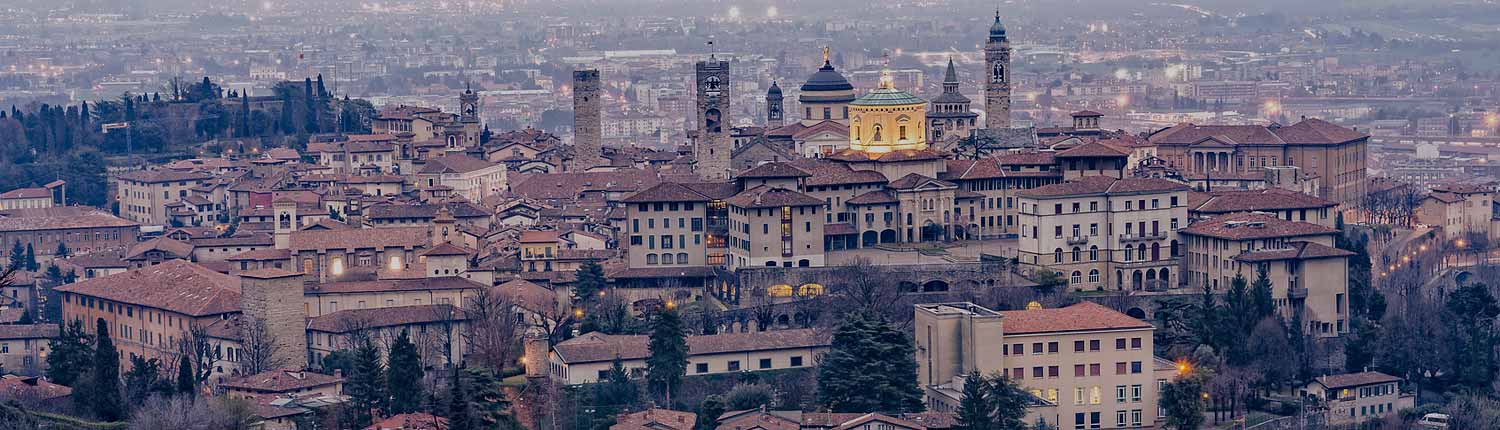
(869, 367)
(17, 256)
(404, 375)
(710, 410)
(487, 401)
(186, 383)
(459, 414)
(31, 264)
(668, 361)
(103, 387)
(975, 410)
(62, 250)
(590, 281)
(366, 388)
(71, 355)
(1260, 295)
(1009, 403)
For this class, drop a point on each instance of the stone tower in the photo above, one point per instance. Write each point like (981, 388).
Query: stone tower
(587, 120)
(950, 116)
(775, 107)
(534, 351)
(712, 147)
(997, 74)
(468, 116)
(272, 310)
(285, 211)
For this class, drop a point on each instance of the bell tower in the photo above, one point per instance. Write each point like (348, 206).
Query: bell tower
(468, 104)
(712, 147)
(775, 116)
(997, 77)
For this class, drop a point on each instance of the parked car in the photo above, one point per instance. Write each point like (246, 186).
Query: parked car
(1433, 421)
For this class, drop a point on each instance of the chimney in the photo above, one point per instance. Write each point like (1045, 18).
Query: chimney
(338, 373)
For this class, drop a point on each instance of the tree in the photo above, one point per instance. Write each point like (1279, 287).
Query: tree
(459, 414)
(261, 351)
(18, 256)
(491, 329)
(668, 361)
(71, 355)
(617, 390)
(487, 402)
(710, 410)
(404, 375)
(341, 360)
(1260, 295)
(62, 250)
(590, 281)
(869, 367)
(975, 411)
(1008, 402)
(102, 392)
(366, 387)
(1183, 402)
(187, 384)
(749, 396)
(144, 380)
(1471, 312)
(217, 413)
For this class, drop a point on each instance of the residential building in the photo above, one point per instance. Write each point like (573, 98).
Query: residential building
(283, 383)
(436, 330)
(1355, 398)
(469, 177)
(1458, 209)
(798, 235)
(1100, 232)
(588, 358)
(1334, 154)
(1285, 204)
(24, 347)
(82, 229)
(143, 195)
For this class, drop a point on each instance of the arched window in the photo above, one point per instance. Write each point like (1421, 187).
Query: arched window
(1057, 255)
(1077, 254)
(337, 266)
(1094, 276)
(1076, 278)
(1094, 253)
(651, 259)
(1155, 251)
(876, 137)
(682, 258)
(1129, 253)
(1140, 251)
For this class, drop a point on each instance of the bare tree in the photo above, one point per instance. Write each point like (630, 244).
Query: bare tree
(180, 412)
(860, 284)
(197, 347)
(492, 328)
(259, 346)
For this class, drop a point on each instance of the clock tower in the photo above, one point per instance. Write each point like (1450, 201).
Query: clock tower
(711, 148)
(468, 116)
(997, 77)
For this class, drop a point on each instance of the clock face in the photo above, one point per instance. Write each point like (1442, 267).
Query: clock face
(712, 86)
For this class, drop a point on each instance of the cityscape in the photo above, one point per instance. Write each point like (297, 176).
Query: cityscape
(528, 215)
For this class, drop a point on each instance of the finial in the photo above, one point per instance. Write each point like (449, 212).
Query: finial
(997, 14)
(886, 82)
(710, 50)
(825, 55)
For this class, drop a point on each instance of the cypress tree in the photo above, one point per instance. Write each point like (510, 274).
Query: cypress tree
(312, 111)
(18, 256)
(31, 264)
(62, 250)
(71, 355)
(103, 387)
(459, 415)
(404, 375)
(244, 117)
(366, 388)
(668, 361)
(186, 383)
(1260, 296)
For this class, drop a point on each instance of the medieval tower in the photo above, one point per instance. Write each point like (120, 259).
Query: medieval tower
(587, 121)
(997, 74)
(273, 315)
(712, 147)
(468, 104)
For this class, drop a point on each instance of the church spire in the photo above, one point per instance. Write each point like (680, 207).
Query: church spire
(951, 76)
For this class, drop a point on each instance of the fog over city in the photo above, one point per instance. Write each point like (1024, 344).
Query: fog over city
(749, 214)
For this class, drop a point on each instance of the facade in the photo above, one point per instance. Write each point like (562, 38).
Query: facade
(588, 358)
(278, 383)
(469, 177)
(1284, 204)
(1087, 365)
(81, 229)
(24, 347)
(1458, 209)
(361, 154)
(1309, 277)
(1355, 398)
(588, 120)
(144, 195)
(436, 330)
(798, 228)
(712, 145)
(1334, 154)
(1100, 232)
(34, 198)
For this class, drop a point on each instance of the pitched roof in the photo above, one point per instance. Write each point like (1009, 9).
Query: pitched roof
(596, 347)
(411, 421)
(1093, 185)
(529, 295)
(1094, 149)
(31, 387)
(667, 192)
(829, 173)
(1259, 200)
(381, 285)
(773, 170)
(58, 218)
(173, 285)
(876, 197)
(916, 180)
(412, 237)
(444, 249)
(1083, 316)
(1317, 132)
(280, 381)
(1253, 225)
(455, 163)
(771, 197)
(27, 193)
(852, 155)
(658, 419)
(1355, 379)
(1297, 250)
(164, 175)
(27, 331)
(357, 319)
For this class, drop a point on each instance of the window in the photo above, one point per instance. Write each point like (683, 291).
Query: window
(1038, 372)
(797, 361)
(1053, 371)
(1120, 368)
(1135, 367)
(1078, 396)
(1078, 346)
(1119, 344)
(1093, 276)
(734, 365)
(700, 368)
(765, 363)
(1135, 393)
(1052, 347)
(1119, 394)
(1135, 343)
(1094, 369)
(1078, 371)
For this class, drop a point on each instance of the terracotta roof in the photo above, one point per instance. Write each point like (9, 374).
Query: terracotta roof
(1297, 250)
(411, 421)
(376, 143)
(27, 331)
(1083, 316)
(455, 163)
(1086, 113)
(394, 237)
(713, 190)
(877, 197)
(825, 172)
(458, 209)
(915, 180)
(444, 249)
(826, 126)
(1245, 226)
(1355, 379)
(280, 381)
(756, 419)
(27, 193)
(172, 247)
(356, 319)
(58, 218)
(173, 285)
(1090, 185)
(98, 260)
(413, 284)
(596, 347)
(658, 419)
(773, 170)
(31, 387)
(1258, 200)
(1317, 132)
(1094, 149)
(163, 175)
(886, 157)
(568, 186)
(539, 236)
(263, 254)
(667, 192)
(529, 295)
(772, 197)
(254, 239)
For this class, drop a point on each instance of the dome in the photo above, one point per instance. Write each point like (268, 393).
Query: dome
(887, 97)
(774, 91)
(827, 79)
(997, 29)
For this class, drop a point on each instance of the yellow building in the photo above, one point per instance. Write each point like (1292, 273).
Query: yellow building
(887, 119)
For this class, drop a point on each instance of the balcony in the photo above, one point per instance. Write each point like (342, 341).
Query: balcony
(1078, 240)
(1142, 237)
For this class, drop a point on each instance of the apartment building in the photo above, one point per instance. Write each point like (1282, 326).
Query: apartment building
(82, 229)
(677, 225)
(588, 358)
(1354, 398)
(46, 196)
(1088, 366)
(1333, 154)
(998, 179)
(24, 347)
(1458, 209)
(798, 233)
(144, 195)
(1308, 275)
(470, 177)
(362, 153)
(1102, 232)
